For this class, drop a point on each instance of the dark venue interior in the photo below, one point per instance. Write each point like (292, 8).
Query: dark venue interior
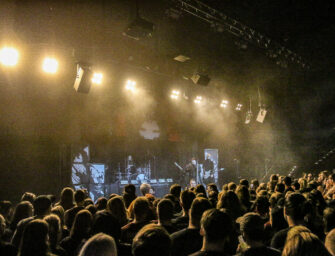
(246, 85)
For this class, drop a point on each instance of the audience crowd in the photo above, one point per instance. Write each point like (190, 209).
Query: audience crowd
(284, 216)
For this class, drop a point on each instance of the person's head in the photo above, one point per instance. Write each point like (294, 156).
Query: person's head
(200, 189)
(272, 185)
(296, 186)
(42, 206)
(35, 238)
(151, 240)
(251, 227)
(309, 177)
(117, 208)
(295, 207)
(101, 203)
(79, 196)
(330, 242)
(141, 208)
(274, 177)
(99, 245)
(262, 205)
(5, 208)
(287, 181)
(130, 189)
(216, 226)
(199, 205)
(329, 219)
(232, 186)
(280, 187)
(28, 196)
(22, 210)
(55, 230)
(165, 210)
(242, 193)
(255, 184)
(212, 187)
(91, 208)
(59, 211)
(82, 224)
(230, 201)
(175, 190)
(244, 182)
(145, 188)
(67, 196)
(186, 199)
(193, 183)
(277, 219)
(301, 241)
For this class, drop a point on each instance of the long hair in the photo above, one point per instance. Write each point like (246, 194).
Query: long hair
(99, 245)
(117, 208)
(35, 239)
(22, 210)
(231, 203)
(82, 224)
(55, 229)
(301, 241)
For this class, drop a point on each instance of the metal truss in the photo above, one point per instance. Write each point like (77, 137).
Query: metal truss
(222, 23)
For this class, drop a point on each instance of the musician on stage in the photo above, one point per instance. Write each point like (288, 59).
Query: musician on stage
(191, 171)
(208, 175)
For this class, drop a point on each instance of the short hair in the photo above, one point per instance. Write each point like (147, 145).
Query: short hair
(262, 204)
(41, 205)
(232, 186)
(130, 189)
(200, 189)
(79, 196)
(287, 180)
(186, 199)
(213, 187)
(330, 241)
(175, 190)
(252, 225)
(28, 196)
(301, 241)
(145, 188)
(141, 207)
(244, 182)
(99, 245)
(217, 225)
(274, 177)
(165, 209)
(199, 205)
(295, 206)
(152, 240)
(280, 187)
(296, 185)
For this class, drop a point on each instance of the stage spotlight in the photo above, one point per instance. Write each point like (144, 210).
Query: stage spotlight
(238, 107)
(97, 78)
(131, 86)
(198, 100)
(175, 94)
(50, 65)
(9, 56)
(224, 104)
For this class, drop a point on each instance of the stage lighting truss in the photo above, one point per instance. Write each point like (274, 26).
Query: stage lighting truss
(175, 94)
(222, 23)
(224, 104)
(97, 78)
(131, 86)
(50, 65)
(9, 56)
(238, 107)
(198, 100)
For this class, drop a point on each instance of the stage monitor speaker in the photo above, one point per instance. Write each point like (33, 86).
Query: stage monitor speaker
(200, 79)
(83, 81)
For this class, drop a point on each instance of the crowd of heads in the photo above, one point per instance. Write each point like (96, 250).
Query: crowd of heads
(283, 216)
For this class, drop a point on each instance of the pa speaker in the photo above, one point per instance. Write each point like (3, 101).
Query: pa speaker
(83, 81)
(200, 79)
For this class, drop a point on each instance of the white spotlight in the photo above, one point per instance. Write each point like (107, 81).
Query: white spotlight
(97, 78)
(50, 65)
(238, 107)
(131, 86)
(224, 104)
(175, 94)
(9, 56)
(198, 100)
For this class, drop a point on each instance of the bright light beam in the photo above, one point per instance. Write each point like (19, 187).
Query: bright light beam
(9, 56)
(50, 65)
(97, 78)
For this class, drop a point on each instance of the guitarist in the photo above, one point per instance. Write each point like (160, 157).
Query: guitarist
(208, 170)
